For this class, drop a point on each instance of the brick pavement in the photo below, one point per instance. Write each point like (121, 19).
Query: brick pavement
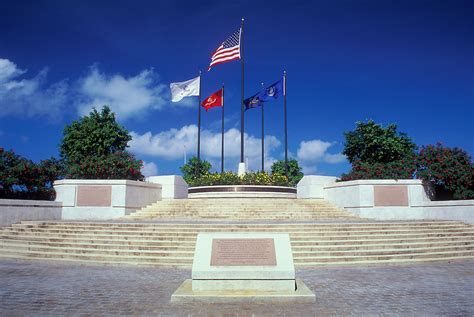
(59, 288)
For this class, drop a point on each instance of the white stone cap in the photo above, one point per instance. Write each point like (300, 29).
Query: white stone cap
(284, 268)
(105, 182)
(316, 180)
(376, 182)
(29, 203)
(166, 180)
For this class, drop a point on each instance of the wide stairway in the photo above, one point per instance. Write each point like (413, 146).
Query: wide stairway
(241, 209)
(172, 243)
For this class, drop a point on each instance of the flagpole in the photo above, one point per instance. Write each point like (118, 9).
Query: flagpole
(242, 93)
(222, 145)
(286, 127)
(263, 135)
(199, 128)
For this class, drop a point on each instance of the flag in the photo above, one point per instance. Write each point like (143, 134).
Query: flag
(253, 102)
(214, 100)
(185, 89)
(272, 92)
(228, 51)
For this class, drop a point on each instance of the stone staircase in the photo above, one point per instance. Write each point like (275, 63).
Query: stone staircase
(242, 209)
(173, 243)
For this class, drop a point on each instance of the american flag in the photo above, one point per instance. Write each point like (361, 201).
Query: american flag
(228, 51)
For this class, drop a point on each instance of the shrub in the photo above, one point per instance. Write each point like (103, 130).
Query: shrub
(294, 170)
(119, 165)
(402, 169)
(21, 178)
(192, 170)
(230, 178)
(450, 170)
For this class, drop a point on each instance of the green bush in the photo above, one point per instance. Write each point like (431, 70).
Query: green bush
(294, 170)
(402, 169)
(230, 178)
(192, 170)
(449, 170)
(119, 165)
(21, 178)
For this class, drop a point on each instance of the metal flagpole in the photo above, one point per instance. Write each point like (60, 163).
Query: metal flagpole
(199, 128)
(286, 127)
(222, 145)
(263, 135)
(242, 93)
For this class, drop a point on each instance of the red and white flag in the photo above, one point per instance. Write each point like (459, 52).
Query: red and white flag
(228, 51)
(214, 100)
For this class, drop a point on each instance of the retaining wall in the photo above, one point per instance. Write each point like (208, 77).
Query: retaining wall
(395, 200)
(15, 210)
(103, 199)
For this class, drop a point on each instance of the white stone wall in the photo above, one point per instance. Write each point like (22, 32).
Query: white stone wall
(312, 186)
(172, 186)
(15, 210)
(357, 197)
(126, 197)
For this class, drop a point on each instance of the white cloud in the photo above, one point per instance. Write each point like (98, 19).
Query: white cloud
(172, 143)
(127, 96)
(30, 97)
(149, 169)
(314, 151)
(334, 158)
(9, 70)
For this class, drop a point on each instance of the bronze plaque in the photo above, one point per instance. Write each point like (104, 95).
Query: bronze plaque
(390, 195)
(96, 196)
(243, 252)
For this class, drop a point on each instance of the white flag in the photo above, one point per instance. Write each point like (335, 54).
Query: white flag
(184, 89)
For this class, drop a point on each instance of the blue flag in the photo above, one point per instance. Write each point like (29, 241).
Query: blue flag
(253, 102)
(272, 92)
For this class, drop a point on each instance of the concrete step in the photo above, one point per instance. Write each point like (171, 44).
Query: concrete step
(306, 249)
(293, 233)
(172, 244)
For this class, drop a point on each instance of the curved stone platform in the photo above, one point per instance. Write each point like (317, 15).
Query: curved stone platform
(242, 191)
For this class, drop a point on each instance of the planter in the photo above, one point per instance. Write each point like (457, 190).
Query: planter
(241, 191)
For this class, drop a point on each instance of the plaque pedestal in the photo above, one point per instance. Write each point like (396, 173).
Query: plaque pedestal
(239, 267)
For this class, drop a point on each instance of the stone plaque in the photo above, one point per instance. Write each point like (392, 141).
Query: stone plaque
(94, 196)
(243, 252)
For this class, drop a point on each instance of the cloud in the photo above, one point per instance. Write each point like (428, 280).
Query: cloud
(127, 96)
(172, 144)
(315, 151)
(30, 97)
(149, 169)
(334, 158)
(312, 150)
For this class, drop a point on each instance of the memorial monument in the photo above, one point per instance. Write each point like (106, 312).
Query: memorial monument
(240, 267)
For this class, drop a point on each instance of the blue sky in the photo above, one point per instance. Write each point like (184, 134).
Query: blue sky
(404, 62)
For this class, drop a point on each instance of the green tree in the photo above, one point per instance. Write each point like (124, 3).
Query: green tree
(95, 147)
(295, 173)
(450, 170)
(371, 143)
(95, 135)
(194, 169)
